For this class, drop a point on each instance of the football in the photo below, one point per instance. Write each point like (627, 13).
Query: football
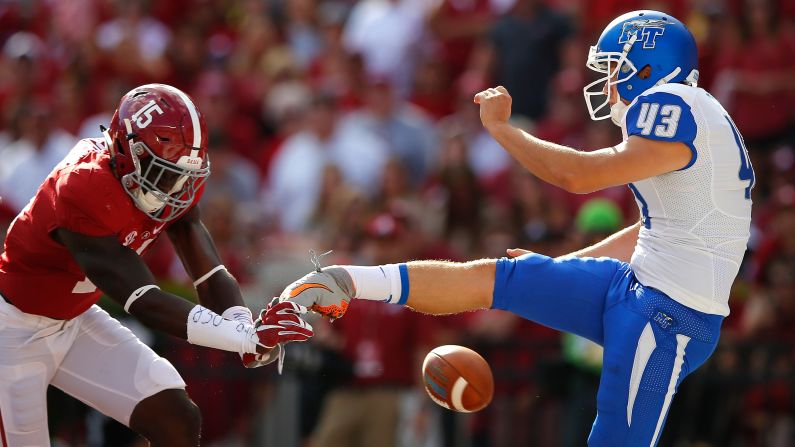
(458, 378)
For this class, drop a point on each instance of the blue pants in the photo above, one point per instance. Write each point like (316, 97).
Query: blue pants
(651, 342)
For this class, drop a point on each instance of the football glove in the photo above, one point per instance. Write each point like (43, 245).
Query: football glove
(278, 324)
(328, 292)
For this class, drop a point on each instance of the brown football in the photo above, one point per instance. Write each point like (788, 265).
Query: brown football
(458, 378)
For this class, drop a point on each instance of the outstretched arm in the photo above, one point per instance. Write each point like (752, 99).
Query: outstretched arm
(120, 273)
(216, 287)
(575, 171)
(619, 245)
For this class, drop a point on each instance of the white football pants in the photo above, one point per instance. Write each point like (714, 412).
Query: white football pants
(91, 357)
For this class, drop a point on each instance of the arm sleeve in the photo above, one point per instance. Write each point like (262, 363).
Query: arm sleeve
(663, 116)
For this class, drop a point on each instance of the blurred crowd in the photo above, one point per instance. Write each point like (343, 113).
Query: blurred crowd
(349, 126)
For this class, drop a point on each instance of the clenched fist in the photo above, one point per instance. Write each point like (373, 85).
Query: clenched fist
(495, 106)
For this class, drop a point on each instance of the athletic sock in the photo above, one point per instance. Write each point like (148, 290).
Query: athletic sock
(386, 283)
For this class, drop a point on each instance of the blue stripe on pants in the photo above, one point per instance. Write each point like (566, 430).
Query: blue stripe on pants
(651, 341)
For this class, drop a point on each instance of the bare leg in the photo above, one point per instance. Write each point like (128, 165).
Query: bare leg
(168, 418)
(440, 287)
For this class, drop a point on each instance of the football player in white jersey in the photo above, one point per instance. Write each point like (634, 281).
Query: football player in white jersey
(654, 294)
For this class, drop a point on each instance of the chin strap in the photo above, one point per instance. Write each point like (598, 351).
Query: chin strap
(692, 78)
(631, 41)
(671, 75)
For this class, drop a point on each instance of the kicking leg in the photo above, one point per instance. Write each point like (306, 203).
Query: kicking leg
(568, 294)
(440, 287)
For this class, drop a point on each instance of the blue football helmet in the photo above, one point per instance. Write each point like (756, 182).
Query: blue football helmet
(631, 43)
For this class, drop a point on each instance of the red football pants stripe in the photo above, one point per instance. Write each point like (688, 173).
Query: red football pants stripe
(2, 431)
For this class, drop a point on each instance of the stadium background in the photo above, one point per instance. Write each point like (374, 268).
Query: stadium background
(349, 126)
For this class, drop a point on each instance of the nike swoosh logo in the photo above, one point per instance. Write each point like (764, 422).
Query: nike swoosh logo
(304, 287)
(140, 292)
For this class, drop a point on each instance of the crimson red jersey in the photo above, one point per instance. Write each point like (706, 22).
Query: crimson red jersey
(38, 274)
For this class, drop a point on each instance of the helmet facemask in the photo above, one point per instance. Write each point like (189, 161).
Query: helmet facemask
(160, 188)
(616, 69)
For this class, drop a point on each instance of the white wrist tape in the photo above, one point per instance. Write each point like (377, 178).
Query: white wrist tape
(378, 283)
(207, 328)
(137, 293)
(207, 275)
(239, 313)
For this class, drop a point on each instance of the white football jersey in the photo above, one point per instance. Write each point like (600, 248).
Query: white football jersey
(696, 221)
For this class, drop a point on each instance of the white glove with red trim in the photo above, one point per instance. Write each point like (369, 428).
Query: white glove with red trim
(279, 323)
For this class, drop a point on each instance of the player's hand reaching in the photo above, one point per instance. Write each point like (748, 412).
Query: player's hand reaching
(495, 106)
(279, 323)
(327, 292)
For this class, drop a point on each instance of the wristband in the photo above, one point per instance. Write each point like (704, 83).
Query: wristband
(207, 275)
(386, 283)
(207, 328)
(137, 293)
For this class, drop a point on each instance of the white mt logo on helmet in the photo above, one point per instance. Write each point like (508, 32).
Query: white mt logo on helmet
(649, 30)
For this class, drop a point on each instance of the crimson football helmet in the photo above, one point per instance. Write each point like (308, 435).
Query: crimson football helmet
(158, 145)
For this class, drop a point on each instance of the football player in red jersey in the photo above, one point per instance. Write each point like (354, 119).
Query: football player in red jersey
(82, 235)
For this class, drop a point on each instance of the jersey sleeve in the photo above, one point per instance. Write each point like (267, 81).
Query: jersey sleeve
(86, 202)
(663, 116)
